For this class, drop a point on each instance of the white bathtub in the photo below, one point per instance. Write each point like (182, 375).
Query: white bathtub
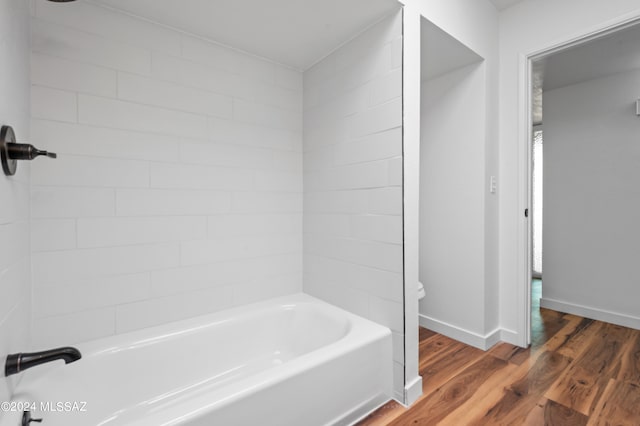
(287, 361)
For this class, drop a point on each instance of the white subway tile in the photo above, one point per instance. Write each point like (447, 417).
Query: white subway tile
(397, 342)
(287, 161)
(72, 76)
(69, 170)
(384, 284)
(57, 266)
(266, 202)
(396, 52)
(383, 201)
(362, 69)
(158, 202)
(395, 172)
(346, 298)
(210, 54)
(186, 279)
(172, 96)
(18, 249)
(111, 25)
(166, 68)
(218, 154)
(119, 231)
(254, 224)
(200, 177)
(73, 328)
(319, 158)
(65, 42)
(226, 131)
(194, 277)
(387, 257)
(378, 119)
(328, 133)
(256, 68)
(337, 225)
(223, 249)
(18, 208)
(14, 285)
(388, 313)
(59, 202)
(278, 181)
(168, 165)
(53, 104)
(398, 380)
(53, 234)
(195, 75)
(125, 115)
(386, 229)
(359, 176)
(266, 115)
(267, 288)
(89, 295)
(76, 139)
(15, 335)
(386, 87)
(378, 146)
(371, 201)
(135, 316)
(269, 94)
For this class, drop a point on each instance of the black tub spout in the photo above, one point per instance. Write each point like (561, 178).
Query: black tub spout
(22, 361)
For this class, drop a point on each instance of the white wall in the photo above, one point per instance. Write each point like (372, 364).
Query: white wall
(526, 28)
(591, 199)
(178, 187)
(475, 24)
(353, 178)
(452, 204)
(15, 283)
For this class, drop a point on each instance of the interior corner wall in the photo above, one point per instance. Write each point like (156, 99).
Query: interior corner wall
(178, 185)
(475, 24)
(526, 28)
(15, 282)
(591, 199)
(353, 180)
(452, 204)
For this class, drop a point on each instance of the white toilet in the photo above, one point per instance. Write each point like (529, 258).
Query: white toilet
(421, 293)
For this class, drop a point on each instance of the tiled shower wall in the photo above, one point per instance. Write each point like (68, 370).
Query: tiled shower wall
(178, 187)
(15, 288)
(353, 180)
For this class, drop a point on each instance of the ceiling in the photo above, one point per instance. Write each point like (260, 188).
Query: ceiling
(503, 4)
(612, 54)
(442, 53)
(615, 53)
(297, 33)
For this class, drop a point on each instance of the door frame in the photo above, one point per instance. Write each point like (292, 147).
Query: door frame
(525, 144)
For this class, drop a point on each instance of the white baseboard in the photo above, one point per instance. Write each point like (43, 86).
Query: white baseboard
(593, 313)
(510, 336)
(465, 336)
(412, 391)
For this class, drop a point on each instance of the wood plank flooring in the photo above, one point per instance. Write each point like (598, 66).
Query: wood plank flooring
(576, 372)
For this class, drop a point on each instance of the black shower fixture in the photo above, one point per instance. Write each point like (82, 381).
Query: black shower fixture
(11, 152)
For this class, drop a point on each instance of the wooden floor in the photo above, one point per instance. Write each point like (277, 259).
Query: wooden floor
(576, 372)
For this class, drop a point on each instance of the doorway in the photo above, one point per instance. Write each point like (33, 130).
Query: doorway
(590, 157)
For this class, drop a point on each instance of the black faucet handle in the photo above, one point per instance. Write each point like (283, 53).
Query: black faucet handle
(27, 419)
(25, 151)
